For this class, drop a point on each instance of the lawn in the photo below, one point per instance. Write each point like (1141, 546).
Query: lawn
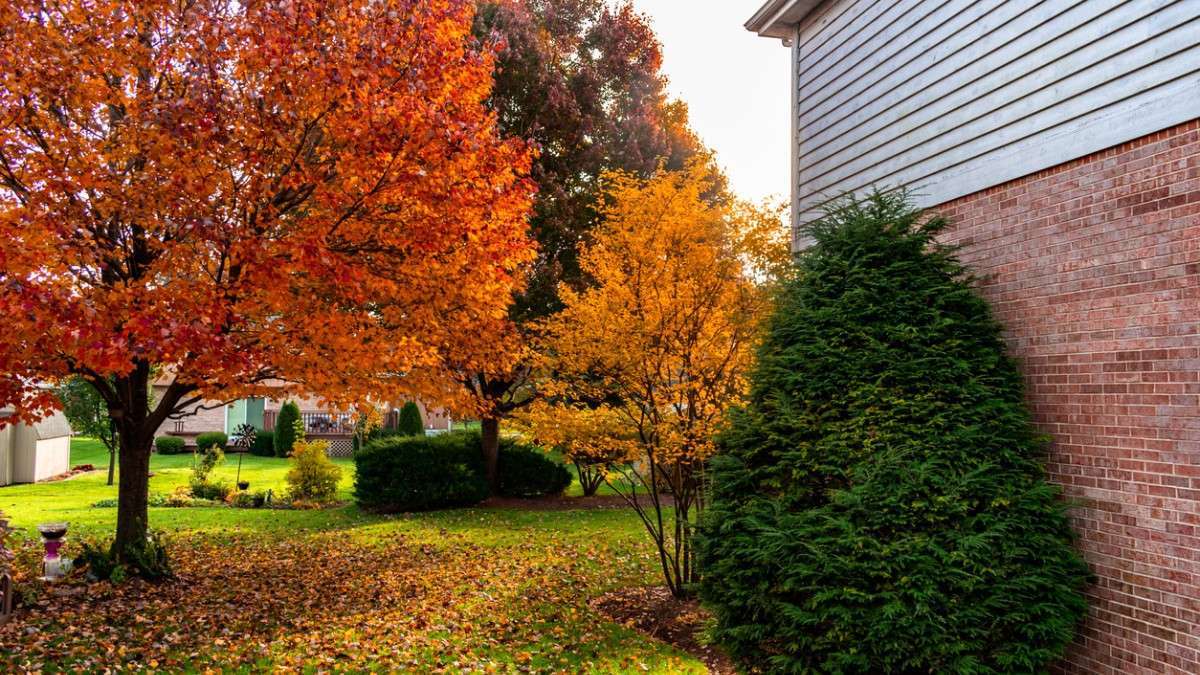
(337, 589)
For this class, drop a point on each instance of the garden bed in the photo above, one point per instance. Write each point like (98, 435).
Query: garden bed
(653, 611)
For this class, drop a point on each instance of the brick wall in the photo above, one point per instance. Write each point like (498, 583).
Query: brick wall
(1094, 269)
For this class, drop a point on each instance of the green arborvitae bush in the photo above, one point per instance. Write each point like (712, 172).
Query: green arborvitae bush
(169, 445)
(264, 444)
(879, 505)
(526, 471)
(418, 473)
(285, 428)
(207, 439)
(410, 423)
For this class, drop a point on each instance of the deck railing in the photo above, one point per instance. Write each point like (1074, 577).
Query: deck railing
(316, 422)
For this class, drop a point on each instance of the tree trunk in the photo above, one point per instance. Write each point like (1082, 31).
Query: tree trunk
(490, 428)
(112, 462)
(134, 491)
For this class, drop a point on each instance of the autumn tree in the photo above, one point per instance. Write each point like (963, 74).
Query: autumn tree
(662, 341)
(87, 413)
(312, 191)
(582, 80)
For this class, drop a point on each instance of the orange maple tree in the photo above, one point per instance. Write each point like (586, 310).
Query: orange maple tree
(644, 364)
(309, 191)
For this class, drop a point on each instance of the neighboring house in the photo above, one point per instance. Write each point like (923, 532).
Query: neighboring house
(34, 452)
(319, 422)
(1063, 140)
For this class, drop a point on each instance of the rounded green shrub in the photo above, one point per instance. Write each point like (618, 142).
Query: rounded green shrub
(526, 471)
(418, 473)
(879, 505)
(410, 422)
(169, 445)
(285, 428)
(208, 439)
(264, 444)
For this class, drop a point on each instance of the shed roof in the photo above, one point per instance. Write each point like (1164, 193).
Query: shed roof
(53, 426)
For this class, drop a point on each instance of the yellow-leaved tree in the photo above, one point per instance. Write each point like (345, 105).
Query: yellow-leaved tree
(645, 361)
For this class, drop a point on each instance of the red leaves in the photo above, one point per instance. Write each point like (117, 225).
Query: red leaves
(228, 188)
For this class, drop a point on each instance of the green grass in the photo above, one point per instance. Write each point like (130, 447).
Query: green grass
(502, 588)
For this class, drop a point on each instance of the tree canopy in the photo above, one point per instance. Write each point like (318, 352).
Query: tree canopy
(313, 192)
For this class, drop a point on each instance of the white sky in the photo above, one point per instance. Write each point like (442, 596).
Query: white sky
(735, 84)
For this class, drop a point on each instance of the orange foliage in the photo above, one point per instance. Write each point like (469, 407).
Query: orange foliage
(665, 335)
(309, 190)
(650, 357)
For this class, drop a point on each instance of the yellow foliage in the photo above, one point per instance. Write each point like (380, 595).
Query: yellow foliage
(312, 478)
(668, 328)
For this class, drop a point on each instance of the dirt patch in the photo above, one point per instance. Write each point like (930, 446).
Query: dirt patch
(653, 611)
(561, 503)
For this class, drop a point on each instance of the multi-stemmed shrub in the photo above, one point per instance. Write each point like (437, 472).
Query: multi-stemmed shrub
(169, 445)
(879, 505)
(313, 477)
(205, 460)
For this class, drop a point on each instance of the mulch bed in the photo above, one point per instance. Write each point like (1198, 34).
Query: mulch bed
(563, 503)
(653, 611)
(75, 471)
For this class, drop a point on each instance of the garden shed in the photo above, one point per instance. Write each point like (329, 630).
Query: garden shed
(33, 452)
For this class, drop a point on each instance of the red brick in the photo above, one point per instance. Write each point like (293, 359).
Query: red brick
(1093, 267)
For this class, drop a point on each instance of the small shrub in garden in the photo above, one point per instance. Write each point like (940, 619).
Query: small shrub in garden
(248, 500)
(210, 438)
(285, 428)
(207, 459)
(149, 560)
(264, 444)
(879, 505)
(417, 473)
(216, 492)
(313, 477)
(169, 445)
(526, 471)
(410, 423)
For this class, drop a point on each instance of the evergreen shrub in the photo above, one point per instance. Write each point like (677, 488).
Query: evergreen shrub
(410, 423)
(418, 473)
(285, 428)
(207, 439)
(169, 445)
(527, 471)
(879, 505)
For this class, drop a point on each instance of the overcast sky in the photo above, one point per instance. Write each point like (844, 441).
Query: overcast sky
(735, 84)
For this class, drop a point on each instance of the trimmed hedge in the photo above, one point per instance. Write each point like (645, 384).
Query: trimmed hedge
(419, 473)
(169, 445)
(378, 433)
(264, 444)
(527, 471)
(208, 439)
(880, 505)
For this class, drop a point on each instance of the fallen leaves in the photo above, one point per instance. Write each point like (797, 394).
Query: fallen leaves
(347, 601)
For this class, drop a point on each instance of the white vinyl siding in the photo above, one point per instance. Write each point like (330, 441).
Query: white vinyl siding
(953, 96)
